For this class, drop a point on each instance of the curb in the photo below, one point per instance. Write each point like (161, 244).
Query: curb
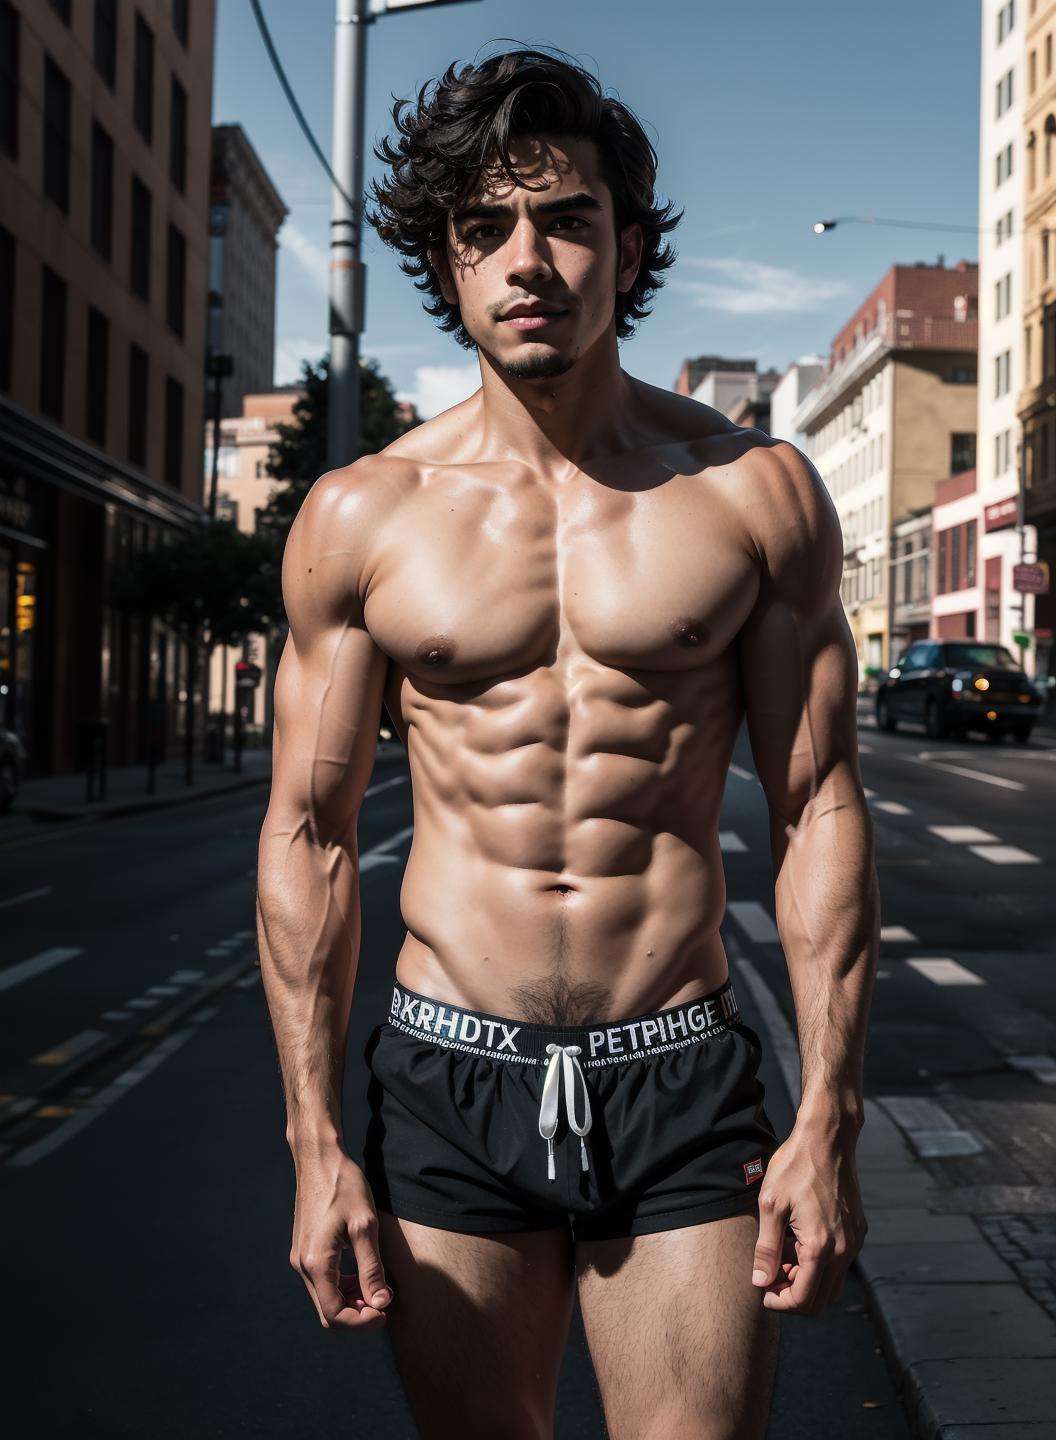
(114, 810)
(973, 1354)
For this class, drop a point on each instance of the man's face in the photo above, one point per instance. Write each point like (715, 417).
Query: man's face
(508, 247)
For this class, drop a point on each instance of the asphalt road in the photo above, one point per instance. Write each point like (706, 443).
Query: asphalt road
(144, 1175)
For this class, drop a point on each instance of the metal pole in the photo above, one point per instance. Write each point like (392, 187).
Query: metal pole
(347, 272)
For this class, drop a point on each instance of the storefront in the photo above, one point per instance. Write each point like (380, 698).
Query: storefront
(70, 518)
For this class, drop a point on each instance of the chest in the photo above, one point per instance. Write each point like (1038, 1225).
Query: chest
(475, 580)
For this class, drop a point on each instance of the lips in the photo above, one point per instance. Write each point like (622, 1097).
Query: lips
(534, 317)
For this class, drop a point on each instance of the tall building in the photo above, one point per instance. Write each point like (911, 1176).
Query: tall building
(787, 395)
(243, 489)
(246, 212)
(892, 415)
(1037, 397)
(104, 192)
(737, 388)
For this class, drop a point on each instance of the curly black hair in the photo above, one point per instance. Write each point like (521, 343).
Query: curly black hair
(448, 137)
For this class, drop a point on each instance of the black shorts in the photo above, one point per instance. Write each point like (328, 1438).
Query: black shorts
(459, 1123)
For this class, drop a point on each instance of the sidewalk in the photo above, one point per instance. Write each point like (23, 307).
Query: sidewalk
(63, 797)
(974, 1350)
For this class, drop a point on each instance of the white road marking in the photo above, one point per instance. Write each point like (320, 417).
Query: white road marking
(248, 981)
(943, 971)
(29, 895)
(217, 950)
(731, 843)
(105, 1098)
(892, 933)
(962, 834)
(998, 780)
(753, 920)
(1005, 854)
(141, 1004)
(1042, 1067)
(206, 1013)
(893, 807)
(70, 1049)
(185, 977)
(865, 749)
(782, 1038)
(165, 990)
(244, 935)
(116, 1015)
(385, 785)
(378, 854)
(869, 794)
(46, 960)
(741, 773)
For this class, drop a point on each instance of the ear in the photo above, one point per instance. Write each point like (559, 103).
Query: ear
(631, 244)
(442, 270)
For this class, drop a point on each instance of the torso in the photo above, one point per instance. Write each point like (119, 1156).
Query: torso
(563, 672)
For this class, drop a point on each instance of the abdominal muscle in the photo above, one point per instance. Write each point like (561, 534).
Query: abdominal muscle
(570, 879)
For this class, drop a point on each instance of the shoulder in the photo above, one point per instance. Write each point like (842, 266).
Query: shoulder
(789, 517)
(327, 557)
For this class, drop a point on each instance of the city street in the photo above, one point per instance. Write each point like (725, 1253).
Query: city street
(148, 1188)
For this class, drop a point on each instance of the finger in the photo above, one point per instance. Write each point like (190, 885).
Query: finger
(334, 1312)
(805, 1279)
(773, 1218)
(371, 1273)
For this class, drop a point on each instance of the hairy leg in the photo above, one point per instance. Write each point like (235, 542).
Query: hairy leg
(478, 1327)
(682, 1345)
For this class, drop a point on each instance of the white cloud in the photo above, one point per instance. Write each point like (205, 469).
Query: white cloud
(750, 287)
(312, 258)
(438, 387)
(290, 352)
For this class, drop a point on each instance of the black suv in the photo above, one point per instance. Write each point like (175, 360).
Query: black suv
(950, 685)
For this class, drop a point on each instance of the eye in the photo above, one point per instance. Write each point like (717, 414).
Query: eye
(573, 219)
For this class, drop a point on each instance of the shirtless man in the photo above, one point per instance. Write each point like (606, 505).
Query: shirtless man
(568, 591)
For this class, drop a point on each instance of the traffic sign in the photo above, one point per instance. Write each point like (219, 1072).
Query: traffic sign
(247, 675)
(1031, 579)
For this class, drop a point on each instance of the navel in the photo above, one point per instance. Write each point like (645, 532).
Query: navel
(437, 650)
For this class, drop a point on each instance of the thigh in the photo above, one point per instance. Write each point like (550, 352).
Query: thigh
(478, 1327)
(681, 1342)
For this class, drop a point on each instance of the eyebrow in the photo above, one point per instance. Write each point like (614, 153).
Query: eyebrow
(579, 201)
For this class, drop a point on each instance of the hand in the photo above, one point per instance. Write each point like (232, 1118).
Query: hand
(335, 1211)
(810, 1185)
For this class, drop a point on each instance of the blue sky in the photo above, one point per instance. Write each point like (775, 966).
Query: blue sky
(764, 119)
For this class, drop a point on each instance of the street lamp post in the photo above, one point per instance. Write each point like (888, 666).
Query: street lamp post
(348, 274)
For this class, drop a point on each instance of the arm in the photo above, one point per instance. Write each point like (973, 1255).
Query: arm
(328, 695)
(799, 674)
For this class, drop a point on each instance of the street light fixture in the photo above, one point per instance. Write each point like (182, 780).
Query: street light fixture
(348, 274)
(821, 226)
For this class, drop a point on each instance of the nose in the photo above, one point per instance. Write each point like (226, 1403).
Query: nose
(527, 254)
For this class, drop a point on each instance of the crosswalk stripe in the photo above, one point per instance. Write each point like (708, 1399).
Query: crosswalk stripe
(962, 834)
(894, 933)
(37, 964)
(731, 843)
(943, 971)
(754, 920)
(1005, 855)
(893, 807)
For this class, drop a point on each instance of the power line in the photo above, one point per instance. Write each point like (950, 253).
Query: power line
(265, 35)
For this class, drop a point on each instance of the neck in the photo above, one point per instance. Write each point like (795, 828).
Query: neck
(558, 423)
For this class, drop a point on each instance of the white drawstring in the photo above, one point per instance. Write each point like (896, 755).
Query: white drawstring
(563, 1062)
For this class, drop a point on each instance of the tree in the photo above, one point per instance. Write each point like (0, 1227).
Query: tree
(299, 456)
(212, 585)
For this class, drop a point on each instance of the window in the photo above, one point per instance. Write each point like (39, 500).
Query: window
(102, 202)
(138, 371)
(1033, 71)
(97, 377)
(56, 135)
(969, 553)
(52, 343)
(962, 452)
(143, 91)
(955, 557)
(1002, 374)
(175, 280)
(9, 66)
(7, 306)
(1003, 297)
(139, 276)
(173, 432)
(961, 375)
(178, 135)
(181, 20)
(1004, 94)
(1048, 56)
(105, 40)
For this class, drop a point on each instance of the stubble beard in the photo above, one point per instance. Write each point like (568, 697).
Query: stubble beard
(543, 365)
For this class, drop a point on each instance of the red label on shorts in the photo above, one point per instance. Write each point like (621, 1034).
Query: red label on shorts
(753, 1170)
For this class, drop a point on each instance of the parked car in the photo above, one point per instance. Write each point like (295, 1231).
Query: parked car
(959, 685)
(12, 759)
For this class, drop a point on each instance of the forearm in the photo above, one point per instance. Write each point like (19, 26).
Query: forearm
(308, 924)
(828, 920)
